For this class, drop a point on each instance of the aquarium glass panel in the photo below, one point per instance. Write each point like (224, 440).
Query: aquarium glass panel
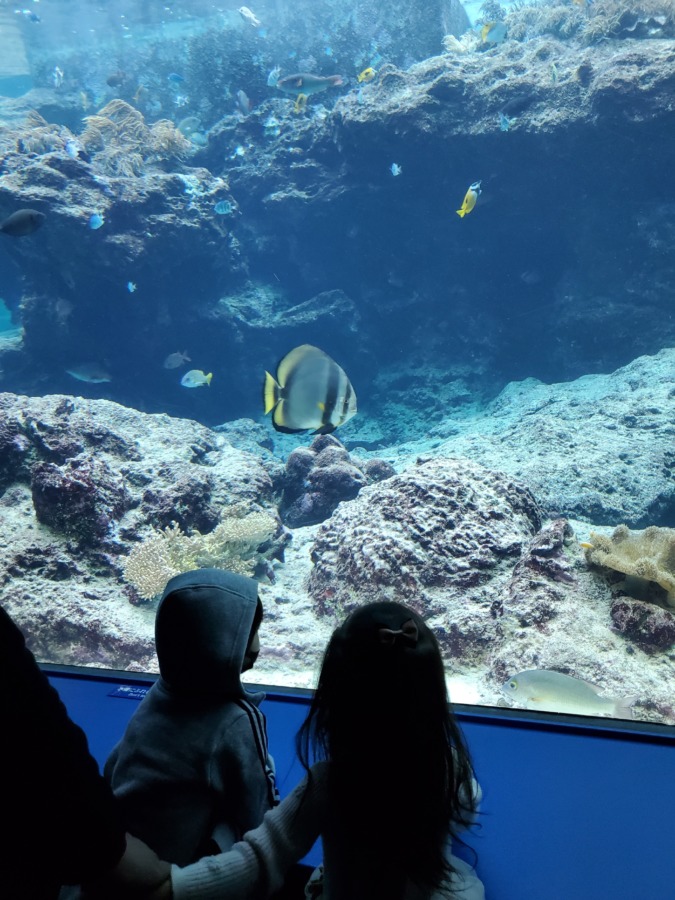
(365, 301)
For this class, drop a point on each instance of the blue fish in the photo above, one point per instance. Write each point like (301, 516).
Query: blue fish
(505, 122)
(95, 221)
(223, 208)
(175, 78)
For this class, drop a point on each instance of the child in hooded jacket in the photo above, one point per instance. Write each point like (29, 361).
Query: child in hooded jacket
(192, 772)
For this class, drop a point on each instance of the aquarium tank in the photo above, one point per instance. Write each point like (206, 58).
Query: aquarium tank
(368, 301)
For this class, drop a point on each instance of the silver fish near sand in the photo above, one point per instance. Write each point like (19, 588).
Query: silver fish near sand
(310, 393)
(551, 691)
(91, 373)
(305, 83)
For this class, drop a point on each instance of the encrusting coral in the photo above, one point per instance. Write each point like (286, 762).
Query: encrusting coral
(234, 544)
(591, 24)
(648, 554)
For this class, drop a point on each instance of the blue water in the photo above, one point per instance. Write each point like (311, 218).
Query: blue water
(6, 323)
(540, 280)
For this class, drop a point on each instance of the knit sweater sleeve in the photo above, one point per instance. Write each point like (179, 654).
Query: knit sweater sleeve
(256, 865)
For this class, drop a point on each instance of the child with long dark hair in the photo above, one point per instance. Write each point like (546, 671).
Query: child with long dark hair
(389, 781)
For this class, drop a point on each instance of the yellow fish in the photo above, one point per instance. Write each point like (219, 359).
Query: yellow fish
(493, 33)
(367, 75)
(469, 199)
(300, 103)
(196, 378)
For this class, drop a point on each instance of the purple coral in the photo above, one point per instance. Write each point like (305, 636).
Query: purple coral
(318, 478)
(186, 501)
(80, 499)
(650, 627)
(14, 448)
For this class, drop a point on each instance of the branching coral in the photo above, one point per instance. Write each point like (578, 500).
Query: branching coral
(648, 554)
(123, 143)
(166, 140)
(39, 137)
(126, 118)
(234, 544)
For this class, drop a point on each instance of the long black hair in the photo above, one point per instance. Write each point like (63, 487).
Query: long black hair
(400, 775)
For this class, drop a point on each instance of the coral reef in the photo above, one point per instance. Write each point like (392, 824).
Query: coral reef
(648, 555)
(319, 477)
(647, 626)
(504, 594)
(598, 449)
(462, 543)
(443, 523)
(235, 544)
(82, 498)
(122, 145)
(84, 484)
(602, 20)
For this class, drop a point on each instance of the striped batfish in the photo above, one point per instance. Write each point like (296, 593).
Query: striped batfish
(310, 393)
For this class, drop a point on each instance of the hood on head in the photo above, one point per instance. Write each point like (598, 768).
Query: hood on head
(203, 626)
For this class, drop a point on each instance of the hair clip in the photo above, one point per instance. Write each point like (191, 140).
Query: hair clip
(407, 635)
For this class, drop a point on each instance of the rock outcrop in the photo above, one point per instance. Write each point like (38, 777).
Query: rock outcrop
(83, 481)
(463, 545)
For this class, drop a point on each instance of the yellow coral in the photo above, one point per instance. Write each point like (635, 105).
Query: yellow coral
(648, 554)
(234, 544)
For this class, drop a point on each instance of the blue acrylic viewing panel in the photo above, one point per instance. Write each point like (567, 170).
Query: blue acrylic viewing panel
(566, 815)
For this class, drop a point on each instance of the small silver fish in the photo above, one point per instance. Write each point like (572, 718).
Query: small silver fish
(22, 222)
(176, 360)
(544, 689)
(244, 105)
(92, 373)
(249, 16)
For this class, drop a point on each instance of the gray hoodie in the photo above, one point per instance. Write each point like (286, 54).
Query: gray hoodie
(192, 772)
